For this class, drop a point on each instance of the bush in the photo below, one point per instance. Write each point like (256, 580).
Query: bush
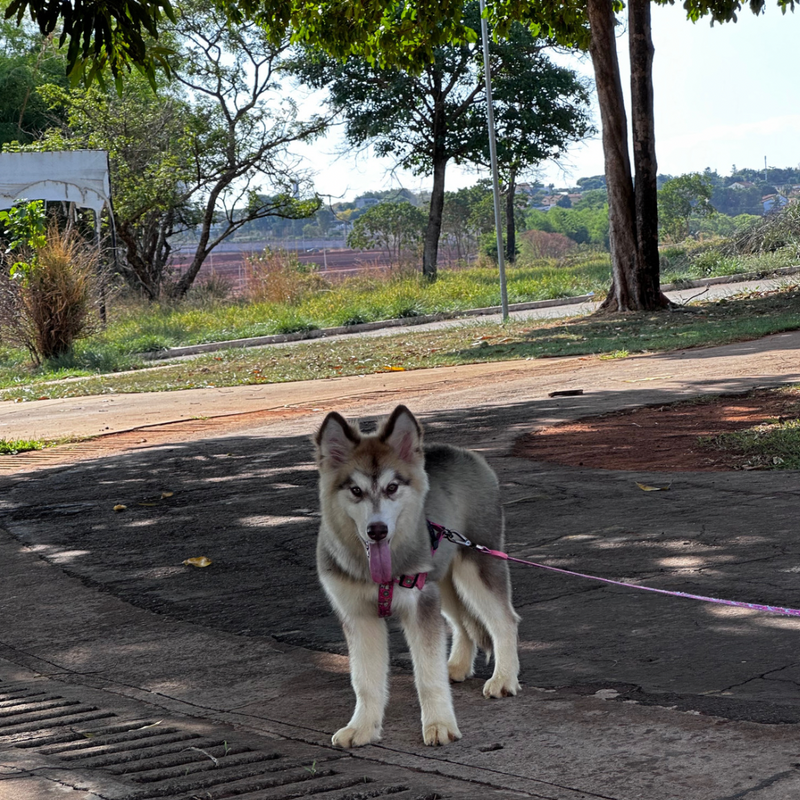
(276, 276)
(541, 244)
(773, 232)
(50, 304)
(213, 288)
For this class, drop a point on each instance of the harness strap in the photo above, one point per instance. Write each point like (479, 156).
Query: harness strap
(386, 590)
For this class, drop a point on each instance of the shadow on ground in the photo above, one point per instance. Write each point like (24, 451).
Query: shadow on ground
(249, 504)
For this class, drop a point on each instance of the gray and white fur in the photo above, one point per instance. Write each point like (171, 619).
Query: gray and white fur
(376, 493)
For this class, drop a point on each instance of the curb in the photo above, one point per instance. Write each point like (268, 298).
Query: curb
(282, 338)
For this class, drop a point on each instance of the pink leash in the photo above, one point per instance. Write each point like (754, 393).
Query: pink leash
(462, 540)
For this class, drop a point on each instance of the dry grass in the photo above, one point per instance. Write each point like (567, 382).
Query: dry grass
(52, 305)
(276, 276)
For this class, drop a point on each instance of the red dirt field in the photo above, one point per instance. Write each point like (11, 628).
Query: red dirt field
(660, 438)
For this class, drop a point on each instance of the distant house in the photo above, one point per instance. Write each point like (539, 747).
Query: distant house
(772, 202)
(740, 185)
(551, 200)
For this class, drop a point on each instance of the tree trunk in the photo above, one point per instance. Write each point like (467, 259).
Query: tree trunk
(511, 222)
(644, 153)
(629, 279)
(202, 250)
(433, 229)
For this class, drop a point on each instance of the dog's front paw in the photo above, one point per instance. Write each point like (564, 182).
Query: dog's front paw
(356, 737)
(437, 733)
(499, 686)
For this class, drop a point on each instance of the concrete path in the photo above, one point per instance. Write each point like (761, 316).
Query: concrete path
(106, 640)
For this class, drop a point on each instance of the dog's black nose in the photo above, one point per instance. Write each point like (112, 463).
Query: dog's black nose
(377, 531)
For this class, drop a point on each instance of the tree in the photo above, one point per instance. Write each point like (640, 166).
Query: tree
(147, 139)
(27, 61)
(192, 156)
(681, 199)
(389, 33)
(428, 119)
(394, 227)
(467, 214)
(115, 34)
(231, 73)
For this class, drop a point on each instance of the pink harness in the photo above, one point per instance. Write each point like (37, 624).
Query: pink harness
(386, 590)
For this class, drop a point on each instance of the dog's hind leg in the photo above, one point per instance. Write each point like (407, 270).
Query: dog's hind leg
(484, 590)
(425, 632)
(368, 647)
(463, 649)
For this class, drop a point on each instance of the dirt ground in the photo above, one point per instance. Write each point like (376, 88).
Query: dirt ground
(659, 438)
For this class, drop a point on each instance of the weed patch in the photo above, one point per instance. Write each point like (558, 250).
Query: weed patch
(10, 447)
(772, 445)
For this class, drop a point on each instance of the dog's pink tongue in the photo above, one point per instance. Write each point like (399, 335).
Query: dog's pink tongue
(380, 561)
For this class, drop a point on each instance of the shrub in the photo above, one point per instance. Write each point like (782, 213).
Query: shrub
(773, 232)
(50, 304)
(213, 288)
(276, 276)
(541, 244)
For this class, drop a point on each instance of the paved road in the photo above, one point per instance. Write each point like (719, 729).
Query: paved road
(625, 696)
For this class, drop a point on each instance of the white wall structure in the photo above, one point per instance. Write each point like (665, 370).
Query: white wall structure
(70, 176)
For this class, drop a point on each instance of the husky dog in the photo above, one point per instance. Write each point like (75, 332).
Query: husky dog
(377, 493)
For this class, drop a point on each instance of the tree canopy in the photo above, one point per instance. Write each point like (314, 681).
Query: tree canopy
(425, 120)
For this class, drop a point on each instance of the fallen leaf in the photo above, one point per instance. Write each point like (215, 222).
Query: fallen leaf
(147, 504)
(394, 369)
(165, 495)
(199, 561)
(645, 488)
(119, 507)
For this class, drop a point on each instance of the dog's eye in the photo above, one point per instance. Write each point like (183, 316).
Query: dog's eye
(391, 488)
(356, 491)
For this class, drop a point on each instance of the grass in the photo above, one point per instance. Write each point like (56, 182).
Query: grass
(738, 319)
(772, 445)
(10, 447)
(112, 361)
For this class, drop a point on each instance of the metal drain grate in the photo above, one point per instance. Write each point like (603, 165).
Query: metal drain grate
(146, 759)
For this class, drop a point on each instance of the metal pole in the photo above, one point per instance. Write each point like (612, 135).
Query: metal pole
(493, 160)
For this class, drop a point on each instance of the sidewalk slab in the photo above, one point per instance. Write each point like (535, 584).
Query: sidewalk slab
(626, 695)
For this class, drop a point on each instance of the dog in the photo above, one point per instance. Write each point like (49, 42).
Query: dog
(377, 493)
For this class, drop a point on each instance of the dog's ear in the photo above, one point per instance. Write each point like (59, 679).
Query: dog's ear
(403, 434)
(335, 440)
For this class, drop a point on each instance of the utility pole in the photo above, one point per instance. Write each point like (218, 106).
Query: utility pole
(493, 159)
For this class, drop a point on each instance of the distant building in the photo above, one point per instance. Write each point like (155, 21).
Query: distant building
(740, 185)
(772, 202)
(551, 200)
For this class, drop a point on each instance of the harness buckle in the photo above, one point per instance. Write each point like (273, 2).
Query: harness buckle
(408, 581)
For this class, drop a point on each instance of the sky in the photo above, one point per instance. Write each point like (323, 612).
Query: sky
(724, 95)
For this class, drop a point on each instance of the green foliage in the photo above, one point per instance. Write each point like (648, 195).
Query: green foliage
(584, 225)
(196, 154)
(394, 227)
(539, 107)
(24, 225)
(780, 231)
(467, 214)
(115, 35)
(10, 447)
(681, 199)
(27, 61)
(772, 445)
